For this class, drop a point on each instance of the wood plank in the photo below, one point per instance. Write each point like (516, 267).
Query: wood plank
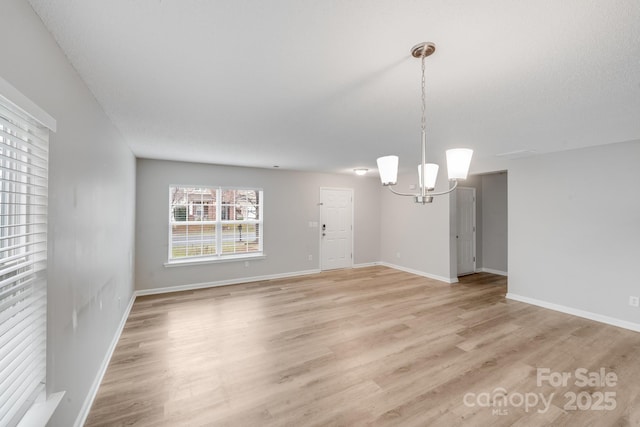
(370, 346)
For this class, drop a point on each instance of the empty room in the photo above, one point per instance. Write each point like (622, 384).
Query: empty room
(319, 213)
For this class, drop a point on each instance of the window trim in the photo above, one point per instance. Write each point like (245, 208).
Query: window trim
(14, 97)
(219, 223)
(213, 260)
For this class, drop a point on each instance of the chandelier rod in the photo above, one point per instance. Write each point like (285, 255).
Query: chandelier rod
(423, 127)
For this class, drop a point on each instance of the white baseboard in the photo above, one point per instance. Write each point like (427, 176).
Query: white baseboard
(366, 264)
(576, 312)
(420, 273)
(93, 391)
(193, 286)
(492, 271)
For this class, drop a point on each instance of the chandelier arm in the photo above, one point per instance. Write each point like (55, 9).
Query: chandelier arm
(455, 185)
(398, 193)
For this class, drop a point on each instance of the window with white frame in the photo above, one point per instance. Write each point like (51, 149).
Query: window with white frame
(24, 158)
(214, 223)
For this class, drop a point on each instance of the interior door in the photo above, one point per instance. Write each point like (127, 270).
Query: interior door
(336, 228)
(466, 232)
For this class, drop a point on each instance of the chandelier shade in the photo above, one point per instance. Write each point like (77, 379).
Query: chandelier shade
(388, 168)
(430, 176)
(458, 162)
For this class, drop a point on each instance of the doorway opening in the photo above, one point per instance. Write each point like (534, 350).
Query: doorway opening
(490, 224)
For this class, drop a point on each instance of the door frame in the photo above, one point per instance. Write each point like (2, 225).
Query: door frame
(475, 227)
(320, 206)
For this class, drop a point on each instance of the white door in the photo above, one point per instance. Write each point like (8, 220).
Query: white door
(336, 228)
(466, 232)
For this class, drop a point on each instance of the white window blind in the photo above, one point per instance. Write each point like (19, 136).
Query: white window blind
(24, 154)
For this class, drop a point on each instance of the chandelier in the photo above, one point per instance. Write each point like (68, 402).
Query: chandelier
(458, 159)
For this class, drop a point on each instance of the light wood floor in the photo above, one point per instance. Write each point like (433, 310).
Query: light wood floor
(371, 346)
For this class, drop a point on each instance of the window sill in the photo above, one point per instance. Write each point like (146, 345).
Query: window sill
(213, 260)
(41, 411)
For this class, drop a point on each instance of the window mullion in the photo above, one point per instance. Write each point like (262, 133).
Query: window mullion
(219, 221)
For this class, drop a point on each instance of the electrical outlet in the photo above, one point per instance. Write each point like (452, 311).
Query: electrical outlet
(310, 257)
(397, 254)
(246, 263)
(634, 301)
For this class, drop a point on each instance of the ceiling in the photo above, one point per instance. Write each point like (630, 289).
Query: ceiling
(330, 85)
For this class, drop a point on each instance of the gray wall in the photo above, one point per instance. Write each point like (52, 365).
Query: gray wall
(291, 201)
(494, 222)
(420, 234)
(425, 236)
(574, 229)
(91, 209)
